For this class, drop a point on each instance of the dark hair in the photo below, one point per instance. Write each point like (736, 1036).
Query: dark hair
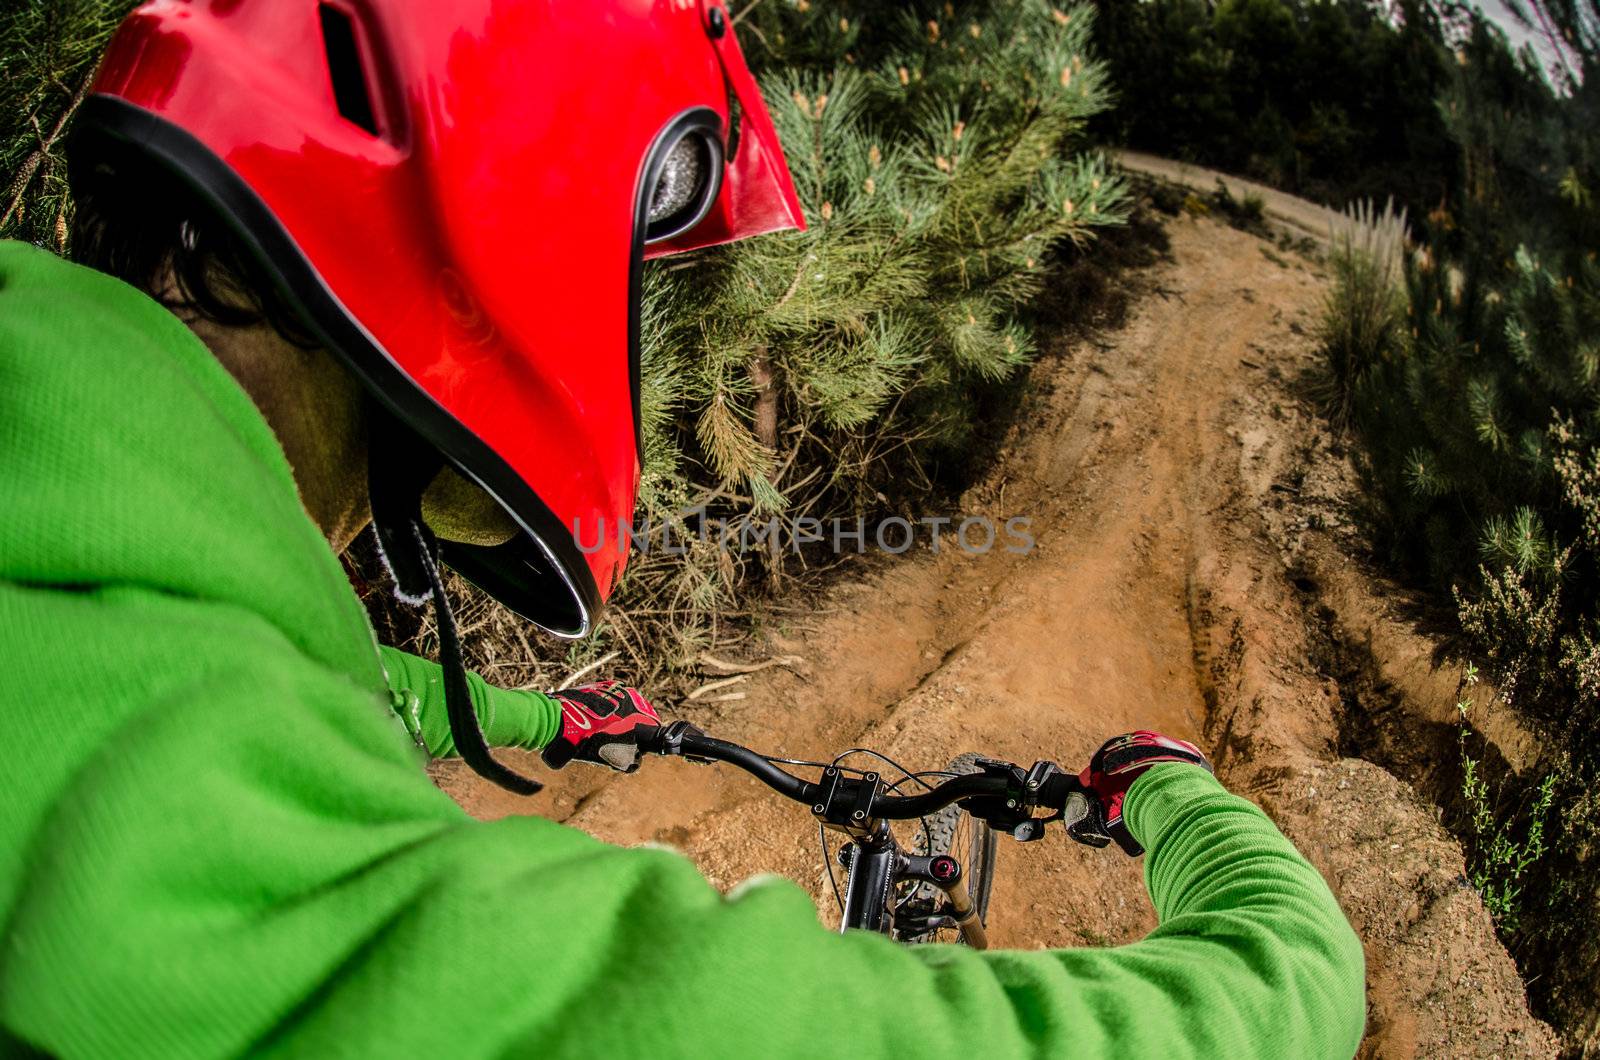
(135, 219)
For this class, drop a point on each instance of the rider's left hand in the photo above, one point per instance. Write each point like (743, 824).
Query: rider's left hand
(601, 723)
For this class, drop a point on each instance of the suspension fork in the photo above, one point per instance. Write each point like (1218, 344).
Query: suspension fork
(962, 910)
(945, 873)
(876, 863)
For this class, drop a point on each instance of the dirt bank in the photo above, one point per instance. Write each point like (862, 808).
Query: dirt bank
(1300, 218)
(1190, 574)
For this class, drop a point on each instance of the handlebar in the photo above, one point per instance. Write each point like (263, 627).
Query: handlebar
(1003, 794)
(695, 745)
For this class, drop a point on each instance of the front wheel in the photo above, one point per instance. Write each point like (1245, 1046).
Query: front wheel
(955, 832)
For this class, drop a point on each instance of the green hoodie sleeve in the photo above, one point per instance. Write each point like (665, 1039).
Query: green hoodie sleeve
(510, 717)
(256, 866)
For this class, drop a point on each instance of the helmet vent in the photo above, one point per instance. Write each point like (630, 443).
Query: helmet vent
(345, 69)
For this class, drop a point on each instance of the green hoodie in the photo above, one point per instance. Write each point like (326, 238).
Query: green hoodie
(216, 837)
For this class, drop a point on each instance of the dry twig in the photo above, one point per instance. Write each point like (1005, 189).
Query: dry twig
(724, 667)
(710, 687)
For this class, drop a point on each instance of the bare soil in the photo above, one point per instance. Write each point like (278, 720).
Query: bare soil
(1194, 572)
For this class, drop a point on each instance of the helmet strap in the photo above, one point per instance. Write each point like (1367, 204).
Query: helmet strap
(400, 466)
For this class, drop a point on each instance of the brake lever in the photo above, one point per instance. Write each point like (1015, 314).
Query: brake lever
(1031, 829)
(1078, 809)
(1039, 786)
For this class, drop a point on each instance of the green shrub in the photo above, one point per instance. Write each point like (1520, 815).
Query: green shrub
(1364, 312)
(1500, 861)
(1248, 213)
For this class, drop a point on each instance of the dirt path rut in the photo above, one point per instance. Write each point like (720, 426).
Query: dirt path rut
(1161, 467)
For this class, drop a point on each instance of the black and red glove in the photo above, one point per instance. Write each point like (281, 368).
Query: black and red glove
(601, 723)
(1111, 772)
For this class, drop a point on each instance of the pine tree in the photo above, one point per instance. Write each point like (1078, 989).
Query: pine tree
(48, 49)
(930, 148)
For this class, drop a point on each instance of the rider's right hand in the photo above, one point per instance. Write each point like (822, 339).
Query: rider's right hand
(1111, 772)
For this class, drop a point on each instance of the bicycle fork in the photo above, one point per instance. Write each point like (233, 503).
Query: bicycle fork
(875, 863)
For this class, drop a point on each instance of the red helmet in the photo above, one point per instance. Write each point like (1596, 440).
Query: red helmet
(458, 196)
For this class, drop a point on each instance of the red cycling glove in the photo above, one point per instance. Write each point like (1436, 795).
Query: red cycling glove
(601, 723)
(1111, 772)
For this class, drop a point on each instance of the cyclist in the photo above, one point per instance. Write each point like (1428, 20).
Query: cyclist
(380, 260)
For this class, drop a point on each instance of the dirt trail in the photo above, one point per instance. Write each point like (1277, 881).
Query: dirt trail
(1303, 219)
(1177, 583)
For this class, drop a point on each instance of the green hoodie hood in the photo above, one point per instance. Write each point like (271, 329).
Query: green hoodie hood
(156, 469)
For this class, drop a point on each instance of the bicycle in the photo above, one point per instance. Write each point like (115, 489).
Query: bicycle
(911, 896)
